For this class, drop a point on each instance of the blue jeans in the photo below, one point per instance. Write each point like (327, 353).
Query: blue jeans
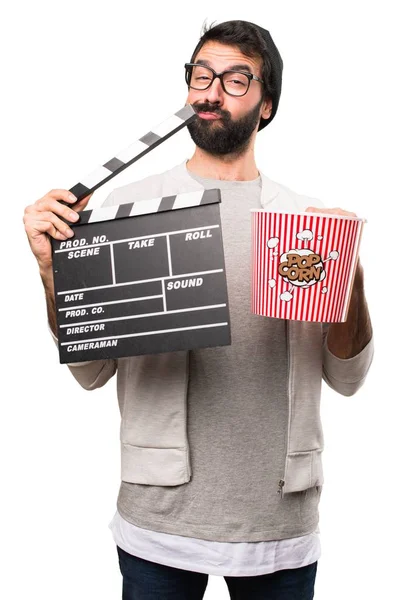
(145, 580)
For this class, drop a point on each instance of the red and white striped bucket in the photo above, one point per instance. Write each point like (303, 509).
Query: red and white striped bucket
(303, 265)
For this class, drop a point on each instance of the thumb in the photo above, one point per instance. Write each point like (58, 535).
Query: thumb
(81, 204)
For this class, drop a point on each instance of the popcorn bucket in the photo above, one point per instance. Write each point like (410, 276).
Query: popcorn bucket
(303, 265)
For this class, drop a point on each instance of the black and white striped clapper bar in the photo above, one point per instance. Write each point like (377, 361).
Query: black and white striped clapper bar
(156, 136)
(142, 278)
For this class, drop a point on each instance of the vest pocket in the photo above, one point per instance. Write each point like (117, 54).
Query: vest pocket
(303, 470)
(154, 466)
(153, 432)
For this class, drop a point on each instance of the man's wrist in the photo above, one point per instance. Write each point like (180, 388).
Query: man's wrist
(46, 271)
(359, 277)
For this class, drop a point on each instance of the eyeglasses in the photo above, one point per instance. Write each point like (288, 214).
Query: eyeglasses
(234, 83)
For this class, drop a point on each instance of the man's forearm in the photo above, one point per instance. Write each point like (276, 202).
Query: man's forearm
(346, 340)
(48, 283)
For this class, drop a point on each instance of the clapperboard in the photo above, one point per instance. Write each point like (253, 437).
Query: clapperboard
(142, 278)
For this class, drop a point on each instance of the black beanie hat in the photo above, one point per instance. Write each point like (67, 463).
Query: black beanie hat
(275, 81)
(270, 52)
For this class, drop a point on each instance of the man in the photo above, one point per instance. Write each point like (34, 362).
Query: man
(221, 447)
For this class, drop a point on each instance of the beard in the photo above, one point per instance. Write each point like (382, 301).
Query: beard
(223, 136)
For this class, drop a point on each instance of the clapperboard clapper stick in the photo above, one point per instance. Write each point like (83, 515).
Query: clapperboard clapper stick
(142, 278)
(156, 136)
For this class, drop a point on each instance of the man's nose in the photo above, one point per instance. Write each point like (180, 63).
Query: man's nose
(215, 93)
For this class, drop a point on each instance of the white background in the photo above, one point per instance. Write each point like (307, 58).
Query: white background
(81, 81)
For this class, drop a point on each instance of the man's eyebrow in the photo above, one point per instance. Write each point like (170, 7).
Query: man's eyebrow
(237, 67)
(240, 68)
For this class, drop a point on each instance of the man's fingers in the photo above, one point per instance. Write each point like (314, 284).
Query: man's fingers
(47, 222)
(54, 201)
(312, 209)
(330, 211)
(60, 236)
(81, 204)
(64, 195)
(52, 213)
(58, 224)
(48, 204)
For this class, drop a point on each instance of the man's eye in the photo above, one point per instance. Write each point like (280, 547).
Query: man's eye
(198, 77)
(237, 82)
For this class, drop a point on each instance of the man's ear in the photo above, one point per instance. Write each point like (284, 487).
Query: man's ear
(267, 107)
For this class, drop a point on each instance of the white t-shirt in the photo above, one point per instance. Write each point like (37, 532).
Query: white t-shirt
(232, 559)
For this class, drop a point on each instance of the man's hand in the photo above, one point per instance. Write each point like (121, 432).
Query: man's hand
(359, 277)
(42, 219)
(346, 340)
(330, 211)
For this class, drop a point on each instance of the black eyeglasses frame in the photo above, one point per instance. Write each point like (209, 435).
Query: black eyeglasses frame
(250, 77)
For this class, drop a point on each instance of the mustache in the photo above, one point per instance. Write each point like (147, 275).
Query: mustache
(213, 108)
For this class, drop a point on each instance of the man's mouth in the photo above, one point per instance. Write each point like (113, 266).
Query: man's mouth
(209, 116)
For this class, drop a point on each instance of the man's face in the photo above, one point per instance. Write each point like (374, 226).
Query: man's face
(226, 123)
